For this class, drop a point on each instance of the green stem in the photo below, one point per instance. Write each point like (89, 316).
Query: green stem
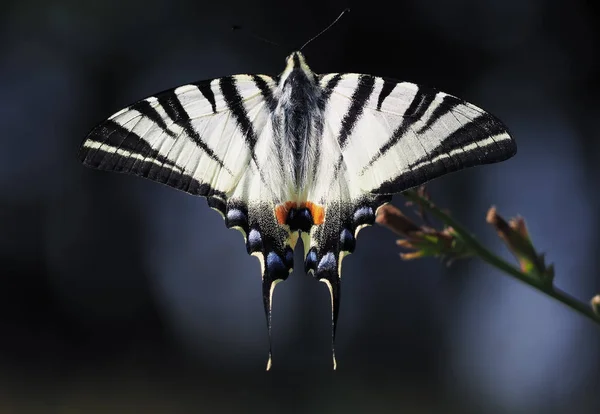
(501, 264)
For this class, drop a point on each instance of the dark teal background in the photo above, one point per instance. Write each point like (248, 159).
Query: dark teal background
(121, 295)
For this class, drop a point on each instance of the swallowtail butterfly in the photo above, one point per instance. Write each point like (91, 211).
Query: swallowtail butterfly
(299, 155)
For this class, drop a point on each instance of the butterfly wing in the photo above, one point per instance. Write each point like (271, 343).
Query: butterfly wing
(383, 137)
(214, 139)
(415, 134)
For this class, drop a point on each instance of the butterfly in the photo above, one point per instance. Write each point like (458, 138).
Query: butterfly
(297, 156)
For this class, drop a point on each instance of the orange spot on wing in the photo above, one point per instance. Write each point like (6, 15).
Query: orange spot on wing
(281, 211)
(317, 212)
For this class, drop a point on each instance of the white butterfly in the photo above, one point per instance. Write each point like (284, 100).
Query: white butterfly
(300, 154)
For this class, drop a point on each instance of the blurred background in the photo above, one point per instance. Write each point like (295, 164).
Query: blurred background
(121, 295)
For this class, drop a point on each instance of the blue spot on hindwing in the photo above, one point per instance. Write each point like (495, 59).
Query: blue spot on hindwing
(347, 241)
(310, 263)
(364, 215)
(236, 217)
(327, 263)
(276, 268)
(254, 242)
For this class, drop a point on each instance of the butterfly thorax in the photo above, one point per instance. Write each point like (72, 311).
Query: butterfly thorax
(299, 119)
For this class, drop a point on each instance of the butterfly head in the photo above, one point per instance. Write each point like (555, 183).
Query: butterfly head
(295, 63)
(296, 60)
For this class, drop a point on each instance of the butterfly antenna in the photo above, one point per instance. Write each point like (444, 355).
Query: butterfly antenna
(254, 35)
(325, 29)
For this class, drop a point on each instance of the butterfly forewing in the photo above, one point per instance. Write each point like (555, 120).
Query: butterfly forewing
(408, 135)
(186, 137)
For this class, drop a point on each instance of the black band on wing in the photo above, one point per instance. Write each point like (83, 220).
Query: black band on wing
(175, 110)
(359, 99)
(113, 137)
(136, 156)
(146, 109)
(266, 92)
(328, 90)
(438, 162)
(415, 111)
(207, 92)
(448, 104)
(235, 103)
(386, 89)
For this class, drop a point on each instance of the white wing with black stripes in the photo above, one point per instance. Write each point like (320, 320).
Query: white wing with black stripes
(199, 138)
(397, 135)
(299, 155)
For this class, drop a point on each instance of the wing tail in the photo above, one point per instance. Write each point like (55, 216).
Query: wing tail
(268, 286)
(327, 272)
(271, 245)
(326, 268)
(275, 268)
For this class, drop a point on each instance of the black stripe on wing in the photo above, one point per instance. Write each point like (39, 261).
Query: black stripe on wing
(115, 138)
(328, 90)
(415, 111)
(448, 104)
(386, 89)
(175, 110)
(475, 132)
(113, 147)
(484, 140)
(266, 92)
(207, 92)
(360, 97)
(235, 103)
(146, 109)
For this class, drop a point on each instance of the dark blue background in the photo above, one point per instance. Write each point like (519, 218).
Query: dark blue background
(123, 295)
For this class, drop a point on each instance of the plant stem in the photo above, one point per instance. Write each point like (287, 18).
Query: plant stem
(494, 260)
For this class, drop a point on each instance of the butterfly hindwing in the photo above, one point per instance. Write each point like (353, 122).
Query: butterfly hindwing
(330, 242)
